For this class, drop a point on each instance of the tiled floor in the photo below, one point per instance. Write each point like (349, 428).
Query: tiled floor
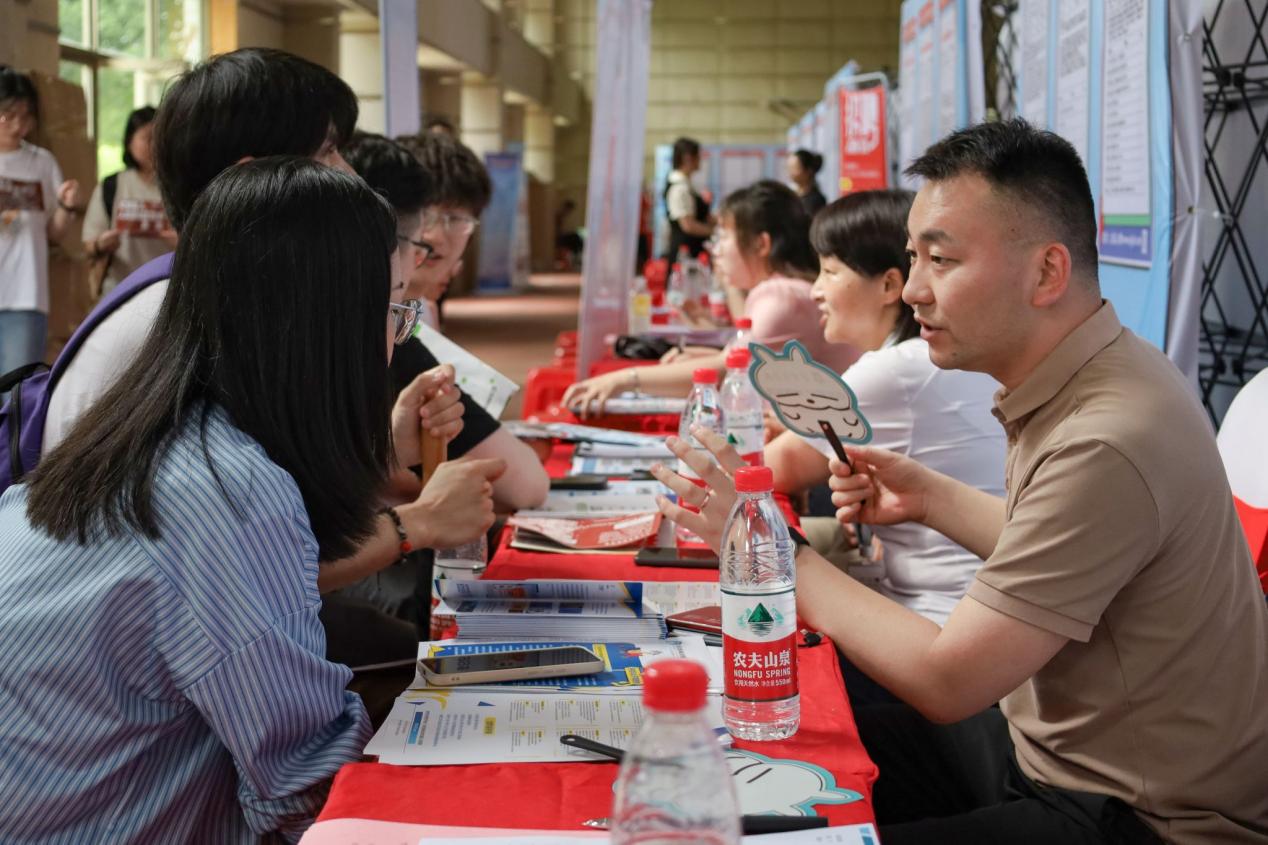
(516, 333)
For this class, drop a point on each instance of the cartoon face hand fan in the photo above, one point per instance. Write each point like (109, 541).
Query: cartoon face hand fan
(808, 398)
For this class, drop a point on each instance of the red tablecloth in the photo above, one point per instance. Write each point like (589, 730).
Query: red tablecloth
(823, 769)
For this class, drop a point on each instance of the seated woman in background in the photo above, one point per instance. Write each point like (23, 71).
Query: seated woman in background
(942, 418)
(159, 569)
(458, 191)
(125, 224)
(763, 250)
(803, 170)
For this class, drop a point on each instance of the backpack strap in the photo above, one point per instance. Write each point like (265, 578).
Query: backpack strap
(138, 280)
(109, 189)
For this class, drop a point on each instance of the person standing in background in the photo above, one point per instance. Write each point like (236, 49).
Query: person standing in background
(690, 222)
(36, 206)
(125, 225)
(803, 168)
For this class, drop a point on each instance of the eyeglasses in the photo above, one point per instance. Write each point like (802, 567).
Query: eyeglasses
(463, 224)
(405, 316)
(424, 249)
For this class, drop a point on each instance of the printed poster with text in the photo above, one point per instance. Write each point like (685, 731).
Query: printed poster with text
(863, 161)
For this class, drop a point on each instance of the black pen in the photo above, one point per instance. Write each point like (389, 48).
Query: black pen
(864, 535)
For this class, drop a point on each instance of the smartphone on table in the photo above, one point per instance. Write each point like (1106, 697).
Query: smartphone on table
(689, 558)
(492, 667)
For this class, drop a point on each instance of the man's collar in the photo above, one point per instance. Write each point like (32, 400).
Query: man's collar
(1055, 371)
(677, 176)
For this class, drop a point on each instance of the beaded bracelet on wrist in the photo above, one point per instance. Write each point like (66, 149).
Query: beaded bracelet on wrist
(401, 538)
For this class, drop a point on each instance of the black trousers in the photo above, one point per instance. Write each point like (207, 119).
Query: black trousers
(947, 784)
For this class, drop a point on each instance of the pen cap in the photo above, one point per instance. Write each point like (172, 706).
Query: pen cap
(704, 375)
(754, 480)
(675, 686)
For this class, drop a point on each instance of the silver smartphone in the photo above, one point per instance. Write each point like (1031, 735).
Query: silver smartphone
(491, 667)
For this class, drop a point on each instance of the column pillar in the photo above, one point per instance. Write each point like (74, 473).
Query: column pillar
(482, 114)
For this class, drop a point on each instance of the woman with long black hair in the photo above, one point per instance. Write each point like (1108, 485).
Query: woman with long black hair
(165, 675)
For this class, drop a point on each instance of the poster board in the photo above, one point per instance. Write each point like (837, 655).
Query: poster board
(1101, 75)
(941, 75)
(504, 253)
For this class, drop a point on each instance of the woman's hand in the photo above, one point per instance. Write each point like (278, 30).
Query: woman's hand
(455, 506)
(715, 499)
(771, 426)
(680, 353)
(431, 401)
(68, 194)
(883, 488)
(107, 242)
(587, 398)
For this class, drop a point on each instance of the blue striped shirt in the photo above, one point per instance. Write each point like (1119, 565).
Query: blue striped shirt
(172, 690)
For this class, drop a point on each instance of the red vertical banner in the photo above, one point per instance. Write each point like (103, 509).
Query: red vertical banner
(864, 166)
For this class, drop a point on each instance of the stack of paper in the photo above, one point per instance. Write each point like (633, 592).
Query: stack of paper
(522, 721)
(618, 498)
(550, 610)
(611, 535)
(581, 434)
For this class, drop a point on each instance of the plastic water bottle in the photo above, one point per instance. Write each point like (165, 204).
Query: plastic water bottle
(719, 310)
(743, 334)
(463, 563)
(674, 785)
(639, 318)
(704, 408)
(674, 293)
(742, 408)
(759, 613)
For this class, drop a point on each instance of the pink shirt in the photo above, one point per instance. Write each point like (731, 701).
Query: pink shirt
(781, 310)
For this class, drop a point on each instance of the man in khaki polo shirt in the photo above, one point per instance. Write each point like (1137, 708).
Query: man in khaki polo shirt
(1117, 618)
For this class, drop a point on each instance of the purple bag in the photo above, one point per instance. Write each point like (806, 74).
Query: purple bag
(31, 387)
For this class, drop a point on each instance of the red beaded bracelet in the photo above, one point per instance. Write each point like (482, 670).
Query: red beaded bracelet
(391, 513)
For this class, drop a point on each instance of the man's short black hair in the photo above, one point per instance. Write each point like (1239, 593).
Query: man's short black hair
(16, 86)
(1037, 170)
(684, 147)
(389, 169)
(252, 102)
(458, 177)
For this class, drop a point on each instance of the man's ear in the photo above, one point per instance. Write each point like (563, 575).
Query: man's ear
(1054, 276)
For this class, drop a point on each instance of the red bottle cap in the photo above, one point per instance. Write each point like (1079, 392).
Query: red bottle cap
(738, 358)
(744, 323)
(682, 249)
(677, 268)
(675, 686)
(704, 375)
(754, 480)
(704, 259)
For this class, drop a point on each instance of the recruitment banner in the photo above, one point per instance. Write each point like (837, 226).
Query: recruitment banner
(503, 227)
(864, 163)
(941, 76)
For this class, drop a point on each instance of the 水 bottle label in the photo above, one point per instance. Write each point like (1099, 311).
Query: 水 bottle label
(746, 433)
(759, 645)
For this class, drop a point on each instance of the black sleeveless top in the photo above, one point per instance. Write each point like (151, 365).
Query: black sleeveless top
(679, 238)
